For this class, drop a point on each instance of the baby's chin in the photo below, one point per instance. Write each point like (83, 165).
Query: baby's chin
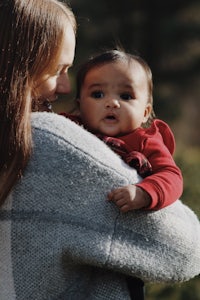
(110, 133)
(103, 131)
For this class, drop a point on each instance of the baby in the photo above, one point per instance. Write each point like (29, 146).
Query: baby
(114, 92)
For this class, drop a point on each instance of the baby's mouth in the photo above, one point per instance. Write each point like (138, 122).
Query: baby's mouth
(111, 117)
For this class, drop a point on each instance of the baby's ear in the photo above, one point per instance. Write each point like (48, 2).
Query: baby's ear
(147, 112)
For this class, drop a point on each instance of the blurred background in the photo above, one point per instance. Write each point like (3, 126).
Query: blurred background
(167, 35)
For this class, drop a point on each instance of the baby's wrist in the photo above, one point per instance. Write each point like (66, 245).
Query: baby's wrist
(146, 198)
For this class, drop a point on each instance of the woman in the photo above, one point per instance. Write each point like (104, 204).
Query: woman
(59, 239)
(29, 60)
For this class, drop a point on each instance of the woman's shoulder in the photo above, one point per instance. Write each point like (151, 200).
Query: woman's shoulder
(48, 122)
(51, 126)
(57, 133)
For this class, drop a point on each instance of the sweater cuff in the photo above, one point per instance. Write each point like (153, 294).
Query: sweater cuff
(156, 198)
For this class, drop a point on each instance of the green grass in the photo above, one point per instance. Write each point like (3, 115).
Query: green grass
(189, 162)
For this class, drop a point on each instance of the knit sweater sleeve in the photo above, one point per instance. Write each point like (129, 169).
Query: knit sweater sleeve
(165, 185)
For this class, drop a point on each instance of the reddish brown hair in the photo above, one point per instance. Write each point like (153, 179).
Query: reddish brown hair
(31, 34)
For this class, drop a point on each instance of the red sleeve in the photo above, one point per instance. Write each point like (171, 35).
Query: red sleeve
(165, 185)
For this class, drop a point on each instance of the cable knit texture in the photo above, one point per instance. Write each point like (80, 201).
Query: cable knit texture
(61, 239)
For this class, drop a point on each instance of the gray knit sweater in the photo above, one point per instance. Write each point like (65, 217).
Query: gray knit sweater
(61, 239)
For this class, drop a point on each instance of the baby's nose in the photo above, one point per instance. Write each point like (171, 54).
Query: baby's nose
(112, 103)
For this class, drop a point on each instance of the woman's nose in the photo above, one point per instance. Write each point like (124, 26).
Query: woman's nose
(63, 84)
(112, 103)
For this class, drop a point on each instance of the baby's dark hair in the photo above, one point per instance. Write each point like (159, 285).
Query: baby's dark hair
(110, 56)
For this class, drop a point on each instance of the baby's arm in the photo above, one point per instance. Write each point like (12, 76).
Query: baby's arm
(165, 184)
(154, 192)
(130, 197)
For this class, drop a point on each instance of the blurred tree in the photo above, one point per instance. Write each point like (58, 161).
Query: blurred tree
(167, 35)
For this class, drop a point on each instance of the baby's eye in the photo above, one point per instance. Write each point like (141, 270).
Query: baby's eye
(126, 96)
(97, 94)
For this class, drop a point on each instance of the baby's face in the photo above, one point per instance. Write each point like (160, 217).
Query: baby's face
(114, 98)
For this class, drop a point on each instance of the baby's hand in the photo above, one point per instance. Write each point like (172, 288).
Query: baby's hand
(129, 197)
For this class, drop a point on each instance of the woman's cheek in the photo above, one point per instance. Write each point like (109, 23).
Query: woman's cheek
(48, 87)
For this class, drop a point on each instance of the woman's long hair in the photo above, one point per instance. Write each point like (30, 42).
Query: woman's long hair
(31, 35)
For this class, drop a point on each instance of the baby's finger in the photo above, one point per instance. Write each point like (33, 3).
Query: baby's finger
(119, 197)
(114, 195)
(121, 202)
(125, 208)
